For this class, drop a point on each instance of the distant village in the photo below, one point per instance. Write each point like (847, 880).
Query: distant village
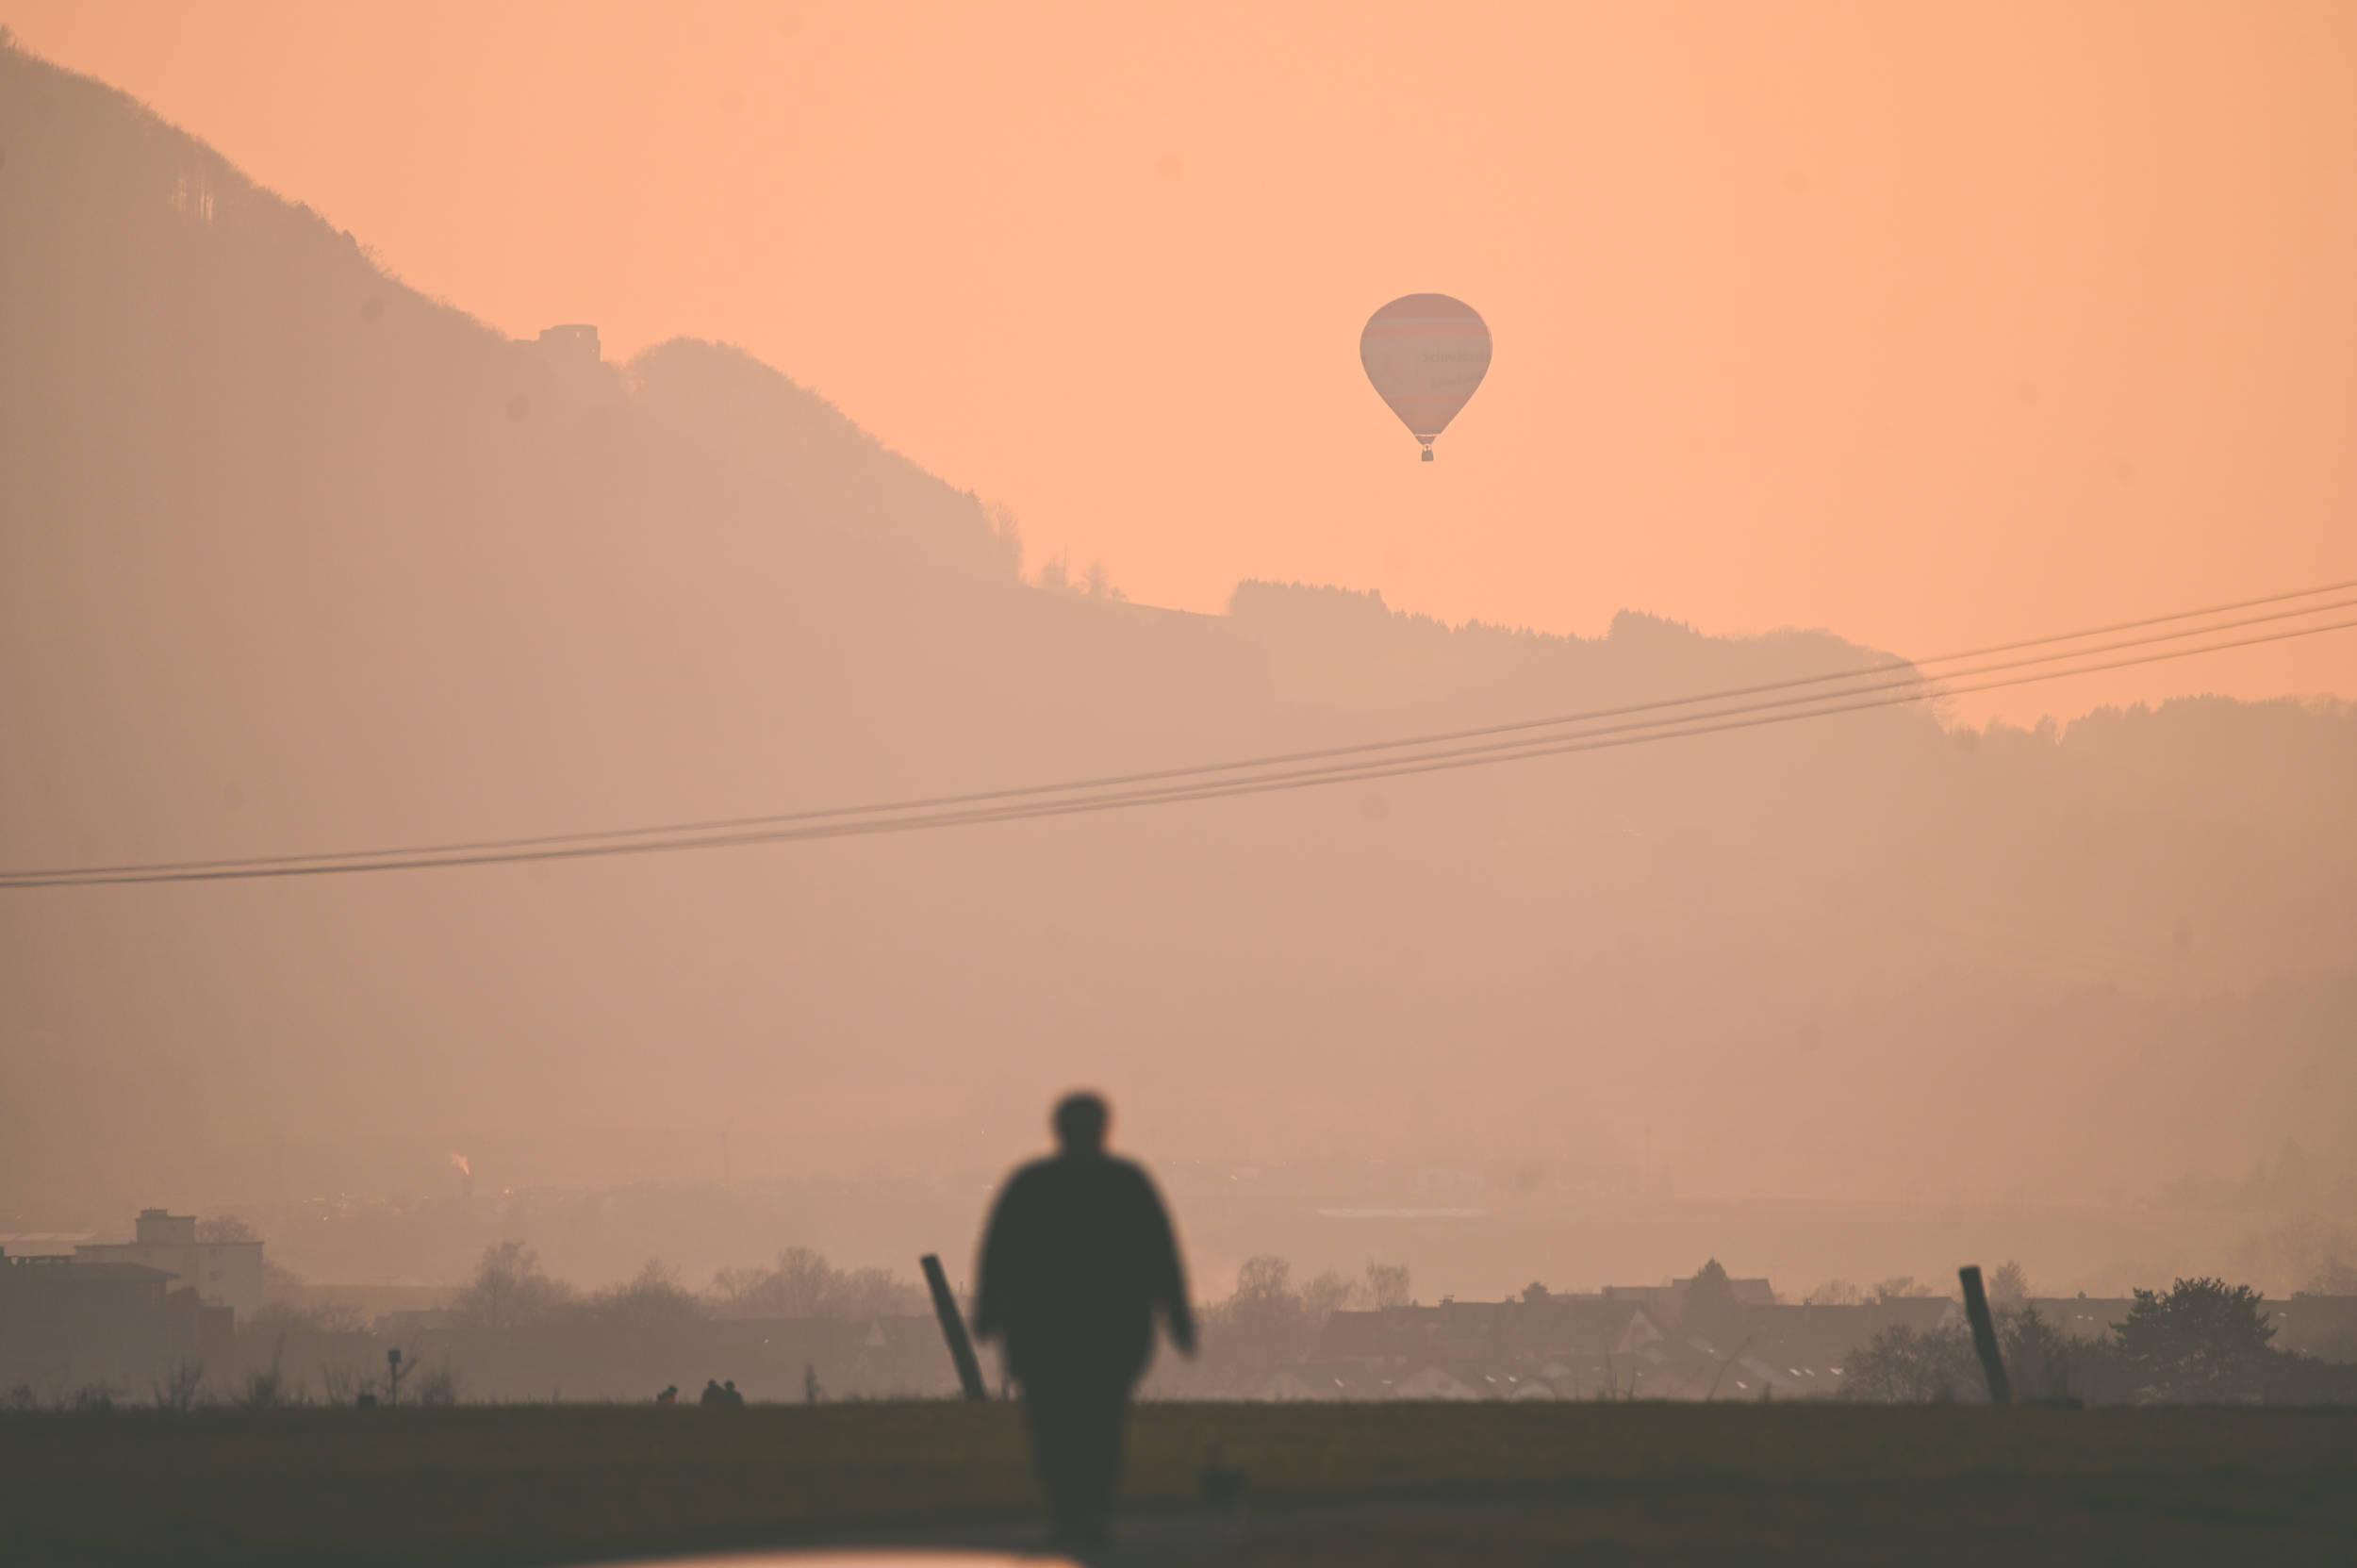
(187, 1310)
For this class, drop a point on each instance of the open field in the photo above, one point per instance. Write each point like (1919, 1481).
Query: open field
(1329, 1483)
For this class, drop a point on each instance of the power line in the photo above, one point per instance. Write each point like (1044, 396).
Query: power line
(1113, 800)
(1913, 667)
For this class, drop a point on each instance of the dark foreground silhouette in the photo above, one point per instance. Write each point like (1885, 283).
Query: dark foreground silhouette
(1078, 1258)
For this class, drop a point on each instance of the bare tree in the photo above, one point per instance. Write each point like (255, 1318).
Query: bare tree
(803, 1280)
(1006, 536)
(1262, 1324)
(875, 1293)
(803, 1284)
(1098, 583)
(341, 1382)
(652, 1298)
(1325, 1295)
(509, 1290)
(437, 1387)
(2335, 1275)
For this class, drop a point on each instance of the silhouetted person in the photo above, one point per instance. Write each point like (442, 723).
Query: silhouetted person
(733, 1397)
(670, 1395)
(712, 1395)
(1077, 1257)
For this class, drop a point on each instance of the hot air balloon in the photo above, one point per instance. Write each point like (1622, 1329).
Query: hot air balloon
(1426, 353)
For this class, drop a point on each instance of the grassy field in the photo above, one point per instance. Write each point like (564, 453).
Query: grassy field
(1327, 1483)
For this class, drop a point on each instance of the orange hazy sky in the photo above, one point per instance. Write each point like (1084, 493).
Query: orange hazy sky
(1931, 325)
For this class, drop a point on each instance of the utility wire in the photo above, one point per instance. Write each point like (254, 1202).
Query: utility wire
(1114, 800)
(1915, 668)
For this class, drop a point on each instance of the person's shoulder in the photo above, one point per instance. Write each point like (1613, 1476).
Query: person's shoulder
(1131, 1174)
(1028, 1177)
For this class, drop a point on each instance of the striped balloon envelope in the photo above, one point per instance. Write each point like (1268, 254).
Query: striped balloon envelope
(1425, 355)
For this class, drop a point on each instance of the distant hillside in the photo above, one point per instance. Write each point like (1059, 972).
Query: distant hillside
(292, 557)
(255, 475)
(770, 432)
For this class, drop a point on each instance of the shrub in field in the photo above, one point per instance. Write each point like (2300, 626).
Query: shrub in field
(1904, 1366)
(436, 1386)
(177, 1389)
(342, 1382)
(264, 1390)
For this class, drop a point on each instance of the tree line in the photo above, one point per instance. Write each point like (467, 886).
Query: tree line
(2199, 1341)
(511, 1290)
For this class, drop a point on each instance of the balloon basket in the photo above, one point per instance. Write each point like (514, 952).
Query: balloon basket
(1427, 455)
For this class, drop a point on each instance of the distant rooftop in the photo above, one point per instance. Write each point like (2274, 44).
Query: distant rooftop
(572, 343)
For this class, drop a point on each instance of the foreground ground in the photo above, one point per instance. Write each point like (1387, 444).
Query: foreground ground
(1327, 1484)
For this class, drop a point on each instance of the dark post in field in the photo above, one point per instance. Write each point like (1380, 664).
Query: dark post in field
(1984, 1335)
(953, 1329)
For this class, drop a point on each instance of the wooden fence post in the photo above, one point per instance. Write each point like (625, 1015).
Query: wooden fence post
(953, 1329)
(1984, 1335)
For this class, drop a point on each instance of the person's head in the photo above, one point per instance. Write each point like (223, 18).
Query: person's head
(1080, 1121)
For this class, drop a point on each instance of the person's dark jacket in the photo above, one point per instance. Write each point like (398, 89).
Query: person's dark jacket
(1078, 1258)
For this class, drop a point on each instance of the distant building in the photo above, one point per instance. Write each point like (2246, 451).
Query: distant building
(67, 1324)
(2084, 1317)
(1567, 1347)
(2324, 1325)
(564, 367)
(1668, 1302)
(571, 346)
(1442, 1382)
(1574, 1330)
(223, 1274)
(1327, 1380)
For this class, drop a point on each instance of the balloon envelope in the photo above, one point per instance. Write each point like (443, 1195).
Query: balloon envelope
(1426, 353)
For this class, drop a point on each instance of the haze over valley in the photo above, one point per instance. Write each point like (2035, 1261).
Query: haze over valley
(296, 558)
